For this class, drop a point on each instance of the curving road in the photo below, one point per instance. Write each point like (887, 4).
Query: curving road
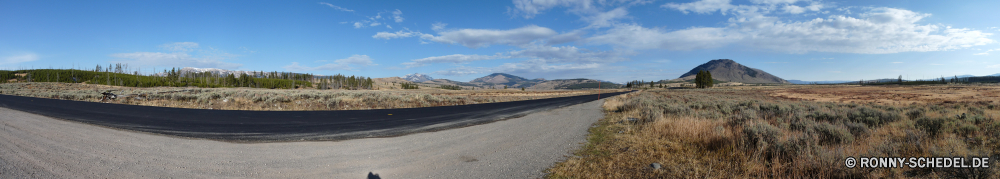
(36, 146)
(282, 126)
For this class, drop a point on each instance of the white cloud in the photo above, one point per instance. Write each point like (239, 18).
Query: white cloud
(26, 57)
(793, 9)
(397, 16)
(529, 8)
(247, 50)
(565, 37)
(336, 7)
(606, 19)
(987, 52)
(462, 71)
(874, 31)
(569, 54)
(455, 58)
(378, 20)
(475, 38)
(341, 64)
(638, 37)
(539, 60)
(180, 57)
(702, 6)
(774, 1)
(993, 66)
(397, 34)
(438, 26)
(176, 59)
(538, 67)
(180, 46)
(543, 54)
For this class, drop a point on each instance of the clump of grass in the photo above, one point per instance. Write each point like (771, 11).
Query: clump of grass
(722, 133)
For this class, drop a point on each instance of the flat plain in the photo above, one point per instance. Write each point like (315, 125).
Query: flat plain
(278, 99)
(793, 131)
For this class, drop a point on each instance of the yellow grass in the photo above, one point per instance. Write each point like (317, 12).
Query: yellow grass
(277, 99)
(721, 133)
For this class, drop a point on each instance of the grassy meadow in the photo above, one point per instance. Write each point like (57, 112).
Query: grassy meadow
(275, 99)
(753, 133)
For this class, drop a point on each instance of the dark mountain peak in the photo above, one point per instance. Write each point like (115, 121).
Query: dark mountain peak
(729, 70)
(502, 79)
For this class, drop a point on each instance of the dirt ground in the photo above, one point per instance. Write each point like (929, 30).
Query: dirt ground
(892, 95)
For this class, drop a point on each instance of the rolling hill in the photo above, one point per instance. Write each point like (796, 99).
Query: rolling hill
(730, 71)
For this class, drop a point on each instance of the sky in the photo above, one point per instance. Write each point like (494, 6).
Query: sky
(614, 40)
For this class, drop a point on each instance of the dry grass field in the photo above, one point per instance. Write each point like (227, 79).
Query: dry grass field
(789, 132)
(276, 99)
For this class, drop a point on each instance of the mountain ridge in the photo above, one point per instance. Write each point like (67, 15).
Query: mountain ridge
(730, 71)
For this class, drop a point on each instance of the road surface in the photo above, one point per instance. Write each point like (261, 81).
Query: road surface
(36, 146)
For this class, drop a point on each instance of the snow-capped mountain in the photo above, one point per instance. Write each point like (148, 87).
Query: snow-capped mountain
(417, 77)
(184, 70)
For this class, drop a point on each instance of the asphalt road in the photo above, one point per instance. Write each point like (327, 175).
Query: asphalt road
(283, 126)
(35, 146)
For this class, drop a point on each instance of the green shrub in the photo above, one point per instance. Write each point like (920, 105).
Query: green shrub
(789, 150)
(760, 134)
(966, 129)
(932, 126)
(872, 117)
(802, 124)
(976, 111)
(857, 129)
(824, 116)
(830, 134)
(745, 114)
(916, 113)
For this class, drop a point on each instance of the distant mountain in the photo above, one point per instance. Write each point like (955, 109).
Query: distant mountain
(438, 82)
(579, 83)
(817, 82)
(185, 70)
(505, 79)
(417, 77)
(729, 70)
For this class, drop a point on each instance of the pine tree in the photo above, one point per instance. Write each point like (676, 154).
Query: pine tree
(708, 79)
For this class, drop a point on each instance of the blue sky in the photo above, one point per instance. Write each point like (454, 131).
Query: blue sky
(616, 40)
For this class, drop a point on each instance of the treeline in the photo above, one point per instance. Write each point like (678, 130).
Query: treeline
(942, 80)
(603, 85)
(451, 87)
(409, 86)
(644, 84)
(345, 82)
(122, 75)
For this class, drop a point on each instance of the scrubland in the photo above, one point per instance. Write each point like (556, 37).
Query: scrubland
(776, 132)
(274, 99)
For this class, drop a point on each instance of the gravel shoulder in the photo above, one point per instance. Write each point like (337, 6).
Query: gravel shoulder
(34, 146)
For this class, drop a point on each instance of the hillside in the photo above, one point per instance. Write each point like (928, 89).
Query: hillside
(729, 70)
(501, 79)
(573, 84)
(439, 82)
